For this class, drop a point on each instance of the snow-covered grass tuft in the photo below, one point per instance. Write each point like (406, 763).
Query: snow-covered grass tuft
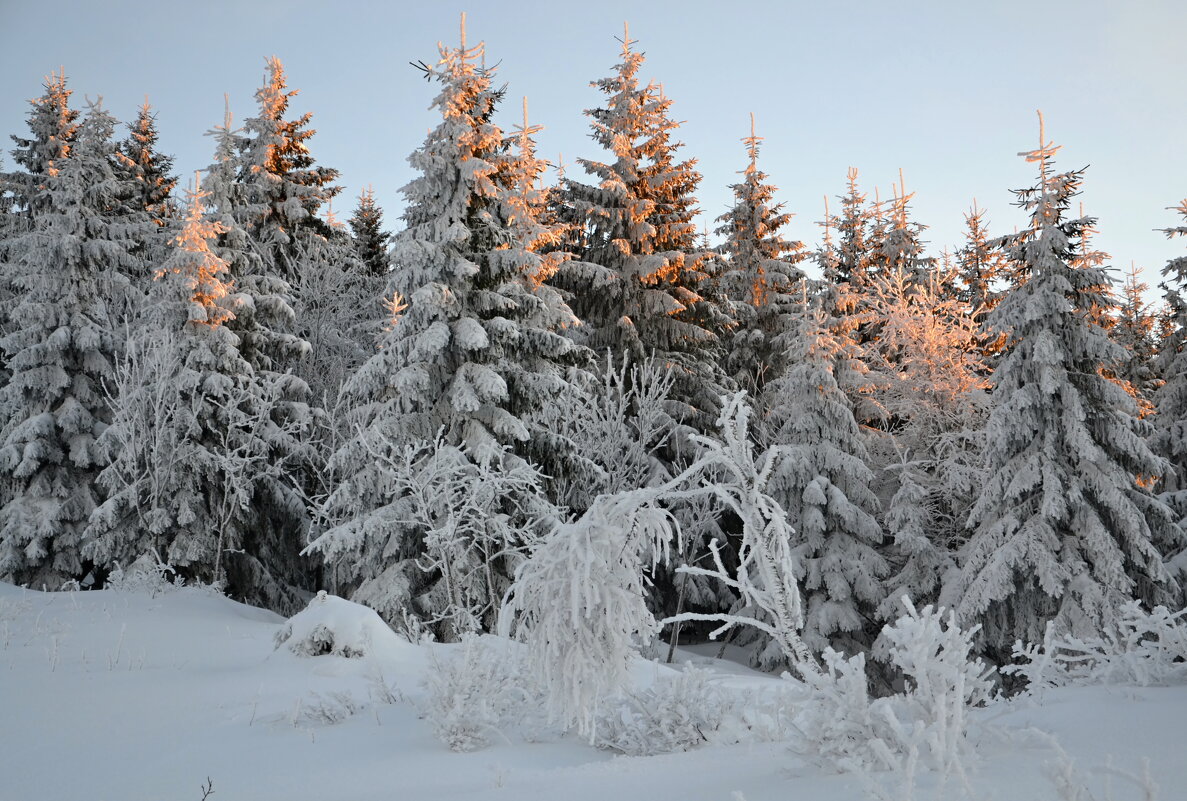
(477, 694)
(673, 714)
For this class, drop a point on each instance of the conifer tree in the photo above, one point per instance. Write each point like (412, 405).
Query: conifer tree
(1170, 422)
(921, 559)
(637, 284)
(532, 225)
(465, 359)
(148, 169)
(1087, 256)
(857, 259)
(146, 202)
(283, 188)
(1134, 331)
(335, 301)
(60, 350)
(762, 275)
(53, 126)
(823, 483)
(370, 240)
(188, 445)
(982, 270)
(262, 322)
(900, 249)
(1063, 528)
(981, 267)
(853, 263)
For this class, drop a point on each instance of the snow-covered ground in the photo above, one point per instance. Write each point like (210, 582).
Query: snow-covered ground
(127, 696)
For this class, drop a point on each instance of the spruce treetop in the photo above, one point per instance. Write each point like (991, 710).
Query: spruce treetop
(147, 167)
(53, 126)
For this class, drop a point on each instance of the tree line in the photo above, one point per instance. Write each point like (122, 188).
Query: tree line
(235, 384)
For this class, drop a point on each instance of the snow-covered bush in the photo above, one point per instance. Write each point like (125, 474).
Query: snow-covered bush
(579, 600)
(673, 714)
(147, 575)
(579, 604)
(1141, 648)
(332, 625)
(476, 695)
(840, 727)
(942, 681)
(927, 722)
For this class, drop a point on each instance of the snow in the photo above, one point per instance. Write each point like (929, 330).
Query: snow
(128, 695)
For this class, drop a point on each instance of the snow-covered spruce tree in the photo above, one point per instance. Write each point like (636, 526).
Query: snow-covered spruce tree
(1170, 401)
(540, 239)
(1064, 528)
(148, 191)
(1086, 256)
(60, 350)
(370, 240)
(464, 357)
(901, 249)
(336, 301)
(633, 295)
(854, 260)
(822, 482)
(283, 189)
(982, 270)
(921, 557)
(189, 440)
(147, 167)
(1134, 331)
(53, 126)
(262, 322)
(761, 278)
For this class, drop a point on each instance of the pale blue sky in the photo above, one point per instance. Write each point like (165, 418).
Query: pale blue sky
(945, 90)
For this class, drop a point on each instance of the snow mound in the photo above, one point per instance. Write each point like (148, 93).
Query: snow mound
(335, 626)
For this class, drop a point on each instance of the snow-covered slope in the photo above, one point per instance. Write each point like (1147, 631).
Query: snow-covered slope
(127, 696)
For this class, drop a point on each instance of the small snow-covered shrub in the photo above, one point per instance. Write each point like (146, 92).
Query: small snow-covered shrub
(840, 726)
(764, 715)
(147, 575)
(476, 695)
(927, 722)
(325, 709)
(332, 625)
(943, 683)
(673, 714)
(1140, 648)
